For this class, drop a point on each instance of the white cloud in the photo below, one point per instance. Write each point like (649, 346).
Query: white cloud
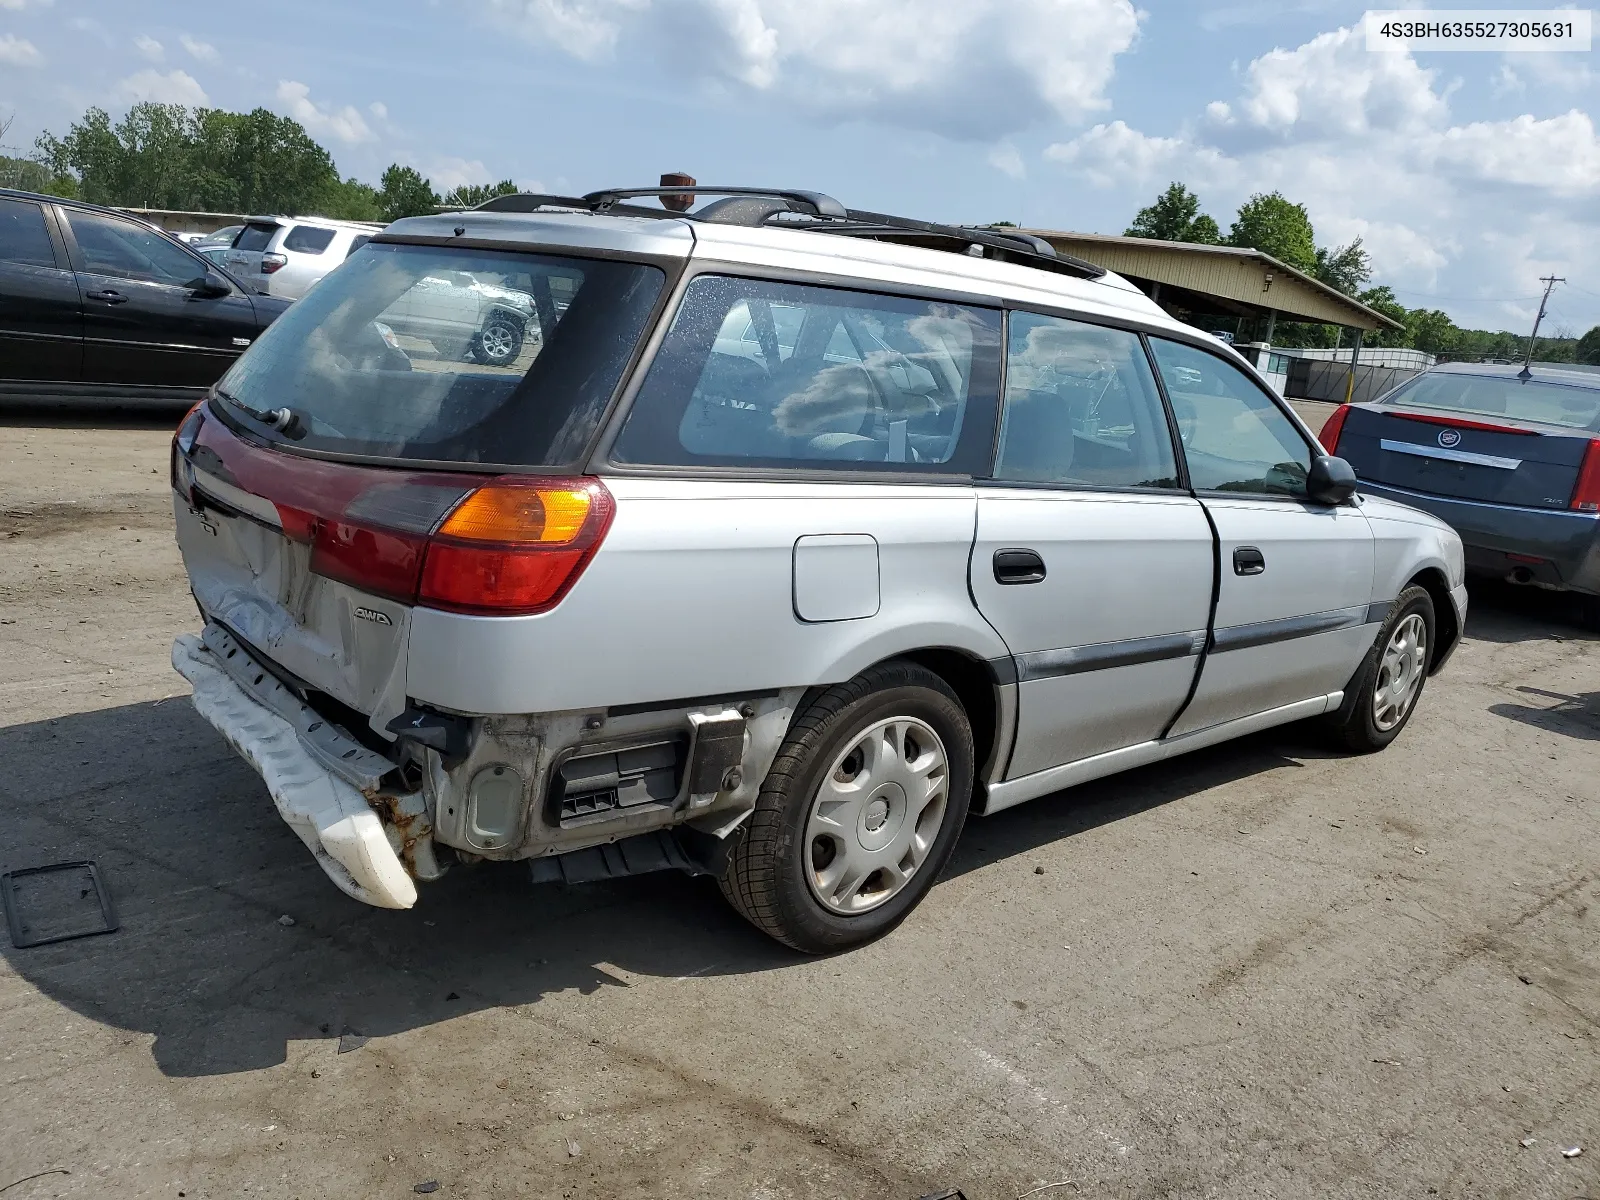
(149, 47)
(1332, 85)
(379, 109)
(446, 174)
(175, 87)
(965, 68)
(19, 5)
(1005, 158)
(19, 52)
(346, 124)
(199, 51)
(1368, 143)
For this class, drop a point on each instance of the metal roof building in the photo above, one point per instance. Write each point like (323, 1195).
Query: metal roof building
(1194, 281)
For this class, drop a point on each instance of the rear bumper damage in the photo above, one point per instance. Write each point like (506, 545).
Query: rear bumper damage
(332, 814)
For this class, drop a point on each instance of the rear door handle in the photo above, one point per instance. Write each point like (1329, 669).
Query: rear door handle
(1247, 560)
(109, 296)
(1018, 565)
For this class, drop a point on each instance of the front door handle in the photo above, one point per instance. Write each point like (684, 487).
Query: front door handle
(1018, 565)
(109, 296)
(1247, 560)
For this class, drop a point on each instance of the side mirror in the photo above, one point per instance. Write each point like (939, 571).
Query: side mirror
(1330, 481)
(209, 286)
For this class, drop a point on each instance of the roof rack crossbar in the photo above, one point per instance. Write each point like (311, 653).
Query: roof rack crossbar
(815, 204)
(1015, 243)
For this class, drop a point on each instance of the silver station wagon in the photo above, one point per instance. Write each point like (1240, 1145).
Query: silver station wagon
(791, 536)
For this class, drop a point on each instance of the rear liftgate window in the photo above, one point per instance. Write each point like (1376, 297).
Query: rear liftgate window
(754, 373)
(434, 354)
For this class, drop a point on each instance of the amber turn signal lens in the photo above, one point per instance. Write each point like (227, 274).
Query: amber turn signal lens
(520, 514)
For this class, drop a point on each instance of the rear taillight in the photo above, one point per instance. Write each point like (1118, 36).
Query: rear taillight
(511, 547)
(1332, 428)
(182, 443)
(272, 262)
(515, 545)
(1586, 493)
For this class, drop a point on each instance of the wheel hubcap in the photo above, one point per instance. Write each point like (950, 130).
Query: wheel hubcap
(497, 341)
(1400, 672)
(876, 815)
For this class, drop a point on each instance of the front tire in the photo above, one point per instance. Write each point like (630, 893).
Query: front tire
(1380, 698)
(859, 814)
(499, 341)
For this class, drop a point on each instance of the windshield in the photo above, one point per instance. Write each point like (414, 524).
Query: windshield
(469, 356)
(1504, 396)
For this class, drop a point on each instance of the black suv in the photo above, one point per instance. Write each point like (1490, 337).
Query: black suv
(95, 304)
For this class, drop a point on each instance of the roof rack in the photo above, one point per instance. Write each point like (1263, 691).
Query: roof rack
(813, 212)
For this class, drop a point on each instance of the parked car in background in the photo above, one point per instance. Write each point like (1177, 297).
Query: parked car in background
(284, 256)
(220, 237)
(785, 551)
(97, 304)
(465, 316)
(1509, 457)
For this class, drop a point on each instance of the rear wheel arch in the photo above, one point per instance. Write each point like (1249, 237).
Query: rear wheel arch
(975, 686)
(1446, 626)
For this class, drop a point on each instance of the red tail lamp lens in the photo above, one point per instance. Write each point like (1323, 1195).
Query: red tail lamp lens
(515, 546)
(1333, 428)
(1586, 495)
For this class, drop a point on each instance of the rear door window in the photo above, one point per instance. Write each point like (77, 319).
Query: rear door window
(308, 239)
(255, 236)
(1234, 437)
(758, 373)
(1082, 408)
(23, 236)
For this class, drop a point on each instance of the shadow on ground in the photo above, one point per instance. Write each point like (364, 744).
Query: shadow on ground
(1503, 612)
(86, 414)
(202, 870)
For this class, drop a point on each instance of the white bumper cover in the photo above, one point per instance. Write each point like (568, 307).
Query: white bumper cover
(330, 815)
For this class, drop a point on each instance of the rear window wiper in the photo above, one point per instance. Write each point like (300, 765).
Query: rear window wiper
(286, 421)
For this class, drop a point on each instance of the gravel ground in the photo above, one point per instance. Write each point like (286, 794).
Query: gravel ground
(1261, 970)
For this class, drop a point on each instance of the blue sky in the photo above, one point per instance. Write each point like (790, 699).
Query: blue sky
(1468, 175)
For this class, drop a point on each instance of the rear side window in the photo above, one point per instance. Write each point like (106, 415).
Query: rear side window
(23, 237)
(756, 373)
(1234, 437)
(255, 236)
(1082, 408)
(436, 354)
(308, 239)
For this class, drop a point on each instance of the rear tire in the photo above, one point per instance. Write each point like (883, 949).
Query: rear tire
(859, 814)
(1383, 693)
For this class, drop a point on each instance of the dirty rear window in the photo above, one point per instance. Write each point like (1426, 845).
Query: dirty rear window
(437, 354)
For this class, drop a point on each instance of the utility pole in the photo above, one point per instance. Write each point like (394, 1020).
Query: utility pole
(1549, 282)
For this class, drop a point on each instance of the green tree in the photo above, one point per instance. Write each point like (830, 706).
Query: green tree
(405, 193)
(1588, 348)
(1174, 217)
(168, 156)
(1344, 268)
(1383, 299)
(1271, 224)
(470, 195)
(1433, 331)
(350, 200)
